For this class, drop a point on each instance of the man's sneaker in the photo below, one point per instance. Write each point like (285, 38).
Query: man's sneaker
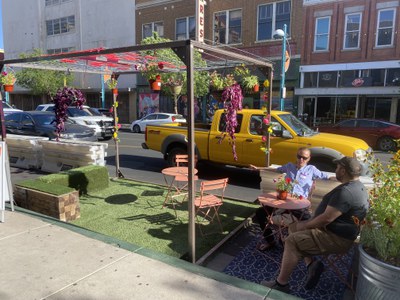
(315, 270)
(248, 222)
(274, 285)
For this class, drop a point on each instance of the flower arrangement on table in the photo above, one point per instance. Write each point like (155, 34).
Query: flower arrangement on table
(284, 186)
(7, 78)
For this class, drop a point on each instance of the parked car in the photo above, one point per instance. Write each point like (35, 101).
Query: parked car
(378, 134)
(155, 119)
(8, 109)
(104, 126)
(104, 111)
(41, 123)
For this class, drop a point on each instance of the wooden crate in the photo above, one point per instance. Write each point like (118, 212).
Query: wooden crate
(64, 207)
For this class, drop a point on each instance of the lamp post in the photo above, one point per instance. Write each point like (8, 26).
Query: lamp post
(282, 92)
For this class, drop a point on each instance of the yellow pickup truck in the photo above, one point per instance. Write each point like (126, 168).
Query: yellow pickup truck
(289, 133)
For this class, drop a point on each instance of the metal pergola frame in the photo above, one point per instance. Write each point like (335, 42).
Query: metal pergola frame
(111, 61)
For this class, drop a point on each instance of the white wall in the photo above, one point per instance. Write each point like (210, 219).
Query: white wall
(99, 23)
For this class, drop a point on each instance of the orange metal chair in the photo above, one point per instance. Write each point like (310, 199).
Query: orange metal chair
(179, 184)
(207, 204)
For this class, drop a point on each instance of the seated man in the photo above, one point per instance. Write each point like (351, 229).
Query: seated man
(331, 230)
(303, 175)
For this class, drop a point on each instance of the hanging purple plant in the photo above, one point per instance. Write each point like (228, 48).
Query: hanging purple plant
(66, 97)
(232, 97)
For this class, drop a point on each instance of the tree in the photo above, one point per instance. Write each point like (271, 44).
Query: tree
(42, 82)
(201, 78)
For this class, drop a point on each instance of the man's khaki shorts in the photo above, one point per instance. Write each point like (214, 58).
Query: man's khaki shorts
(315, 242)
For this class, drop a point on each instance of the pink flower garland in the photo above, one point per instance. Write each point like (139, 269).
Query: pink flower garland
(233, 99)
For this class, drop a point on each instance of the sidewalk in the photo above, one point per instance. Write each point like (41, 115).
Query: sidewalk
(42, 258)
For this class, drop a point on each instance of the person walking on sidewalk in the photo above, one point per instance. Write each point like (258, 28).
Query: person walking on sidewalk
(303, 175)
(331, 230)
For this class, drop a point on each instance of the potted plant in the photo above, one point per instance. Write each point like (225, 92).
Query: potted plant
(152, 72)
(379, 267)
(174, 83)
(283, 186)
(112, 85)
(248, 81)
(8, 79)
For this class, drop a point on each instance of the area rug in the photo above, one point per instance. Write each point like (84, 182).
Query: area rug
(255, 266)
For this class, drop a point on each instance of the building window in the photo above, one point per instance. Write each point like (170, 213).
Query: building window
(321, 40)
(149, 28)
(60, 50)
(393, 77)
(327, 79)
(347, 77)
(272, 17)
(228, 27)
(310, 79)
(352, 31)
(384, 31)
(62, 25)
(55, 2)
(185, 28)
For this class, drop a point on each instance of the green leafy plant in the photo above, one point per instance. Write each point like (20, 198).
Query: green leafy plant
(245, 78)
(220, 82)
(380, 233)
(112, 83)
(42, 82)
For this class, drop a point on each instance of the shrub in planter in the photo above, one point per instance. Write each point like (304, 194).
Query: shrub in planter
(380, 235)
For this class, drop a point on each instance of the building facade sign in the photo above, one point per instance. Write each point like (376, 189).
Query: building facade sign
(200, 20)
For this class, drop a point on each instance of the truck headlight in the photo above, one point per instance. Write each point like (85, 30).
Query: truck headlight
(361, 154)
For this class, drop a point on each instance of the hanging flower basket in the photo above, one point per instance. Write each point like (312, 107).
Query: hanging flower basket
(8, 87)
(176, 90)
(155, 85)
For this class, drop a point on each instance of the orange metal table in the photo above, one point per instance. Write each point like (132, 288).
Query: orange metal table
(173, 176)
(290, 204)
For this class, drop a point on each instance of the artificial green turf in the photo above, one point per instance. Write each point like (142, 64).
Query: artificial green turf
(132, 211)
(41, 186)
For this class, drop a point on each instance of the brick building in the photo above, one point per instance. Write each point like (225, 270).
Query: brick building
(350, 60)
(246, 26)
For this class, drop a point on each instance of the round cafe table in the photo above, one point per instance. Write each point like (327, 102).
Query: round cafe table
(277, 205)
(174, 177)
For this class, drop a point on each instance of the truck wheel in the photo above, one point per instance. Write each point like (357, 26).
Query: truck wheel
(386, 143)
(136, 129)
(172, 154)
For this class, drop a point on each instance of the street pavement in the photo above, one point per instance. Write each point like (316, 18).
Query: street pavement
(43, 258)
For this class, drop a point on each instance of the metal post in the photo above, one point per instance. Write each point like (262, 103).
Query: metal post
(282, 88)
(103, 94)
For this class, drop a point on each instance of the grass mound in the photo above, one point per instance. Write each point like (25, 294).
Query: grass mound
(132, 212)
